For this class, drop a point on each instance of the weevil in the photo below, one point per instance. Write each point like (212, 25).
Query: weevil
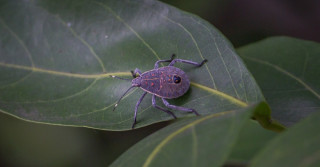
(166, 82)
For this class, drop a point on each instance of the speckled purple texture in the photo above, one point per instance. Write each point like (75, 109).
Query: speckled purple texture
(160, 82)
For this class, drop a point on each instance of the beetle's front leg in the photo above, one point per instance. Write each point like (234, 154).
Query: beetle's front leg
(159, 61)
(188, 62)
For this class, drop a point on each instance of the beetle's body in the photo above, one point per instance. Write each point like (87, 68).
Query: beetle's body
(165, 82)
(160, 82)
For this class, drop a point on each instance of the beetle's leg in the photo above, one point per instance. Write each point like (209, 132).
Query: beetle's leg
(159, 61)
(136, 109)
(134, 74)
(160, 108)
(188, 62)
(165, 102)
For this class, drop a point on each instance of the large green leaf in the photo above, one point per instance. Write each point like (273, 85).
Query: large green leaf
(287, 70)
(251, 139)
(299, 146)
(56, 58)
(204, 141)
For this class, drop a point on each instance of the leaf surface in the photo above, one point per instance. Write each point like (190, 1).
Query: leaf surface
(252, 138)
(57, 57)
(287, 70)
(197, 141)
(299, 146)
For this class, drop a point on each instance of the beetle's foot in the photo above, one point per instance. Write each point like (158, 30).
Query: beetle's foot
(195, 112)
(172, 56)
(205, 60)
(133, 74)
(174, 116)
(132, 127)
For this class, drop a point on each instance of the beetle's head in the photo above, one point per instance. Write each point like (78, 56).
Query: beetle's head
(136, 82)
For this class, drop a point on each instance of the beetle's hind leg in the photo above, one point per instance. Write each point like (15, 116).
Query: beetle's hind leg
(134, 73)
(188, 62)
(160, 108)
(159, 61)
(136, 109)
(166, 103)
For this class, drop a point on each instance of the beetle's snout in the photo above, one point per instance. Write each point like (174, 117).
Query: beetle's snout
(136, 82)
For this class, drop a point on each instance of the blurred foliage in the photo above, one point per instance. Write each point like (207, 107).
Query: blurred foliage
(28, 144)
(247, 21)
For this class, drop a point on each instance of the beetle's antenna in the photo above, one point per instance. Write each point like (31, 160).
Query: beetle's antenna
(121, 98)
(120, 78)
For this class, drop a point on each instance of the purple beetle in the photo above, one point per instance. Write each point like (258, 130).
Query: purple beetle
(165, 82)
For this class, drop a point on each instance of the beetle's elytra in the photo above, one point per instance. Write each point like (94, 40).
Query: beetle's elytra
(165, 82)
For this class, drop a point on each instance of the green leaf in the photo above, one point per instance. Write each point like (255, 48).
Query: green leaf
(57, 57)
(287, 70)
(199, 141)
(251, 139)
(299, 146)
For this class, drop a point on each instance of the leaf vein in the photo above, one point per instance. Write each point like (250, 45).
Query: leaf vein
(84, 42)
(17, 81)
(19, 41)
(221, 94)
(196, 44)
(224, 64)
(129, 27)
(60, 73)
(62, 98)
(2, 22)
(158, 148)
(220, 55)
(244, 87)
(286, 73)
(104, 108)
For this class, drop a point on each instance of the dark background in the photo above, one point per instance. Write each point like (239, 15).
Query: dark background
(241, 21)
(247, 21)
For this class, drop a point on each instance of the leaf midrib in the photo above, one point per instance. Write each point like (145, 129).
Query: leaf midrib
(107, 75)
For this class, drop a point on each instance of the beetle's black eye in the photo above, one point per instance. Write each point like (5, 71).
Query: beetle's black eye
(176, 79)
